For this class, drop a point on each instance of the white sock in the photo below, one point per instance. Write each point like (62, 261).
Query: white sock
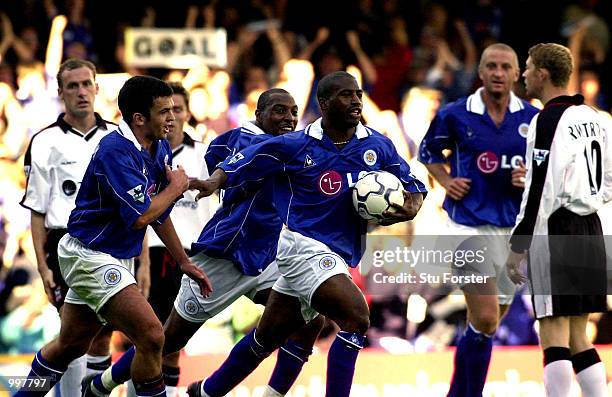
(270, 392)
(70, 384)
(171, 391)
(558, 378)
(107, 379)
(131, 391)
(592, 381)
(202, 392)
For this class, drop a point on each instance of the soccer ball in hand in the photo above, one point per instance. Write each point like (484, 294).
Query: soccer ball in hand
(375, 192)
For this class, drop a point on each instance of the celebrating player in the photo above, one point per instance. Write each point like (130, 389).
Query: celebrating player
(188, 217)
(236, 249)
(128, 185)
(486, 134)
(323, 234)
(569, 179)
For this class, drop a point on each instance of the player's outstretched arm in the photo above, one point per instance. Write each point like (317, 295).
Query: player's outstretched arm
(177, 184)
(168, 236)
(403, 213)
(210, 185)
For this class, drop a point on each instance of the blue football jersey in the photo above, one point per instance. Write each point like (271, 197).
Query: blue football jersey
(117, 188)
(483, 153)
(313, 180)
(245, 228)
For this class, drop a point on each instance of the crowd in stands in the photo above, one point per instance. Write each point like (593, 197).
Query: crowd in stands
(411, 58)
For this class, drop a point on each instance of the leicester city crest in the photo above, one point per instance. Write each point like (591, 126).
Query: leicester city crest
(191, 306)
(112, 276)
(327, 262)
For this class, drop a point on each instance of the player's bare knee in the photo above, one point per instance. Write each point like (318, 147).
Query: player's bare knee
(485, 322)
(151, 339)
(357, 323)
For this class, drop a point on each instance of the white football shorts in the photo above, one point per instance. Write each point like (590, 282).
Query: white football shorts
(93, 277)
(228, 284)
(496, 240)
(304, 264)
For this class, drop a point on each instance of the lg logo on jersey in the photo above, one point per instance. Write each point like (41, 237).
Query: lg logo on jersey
(330, 182)
(488, 162)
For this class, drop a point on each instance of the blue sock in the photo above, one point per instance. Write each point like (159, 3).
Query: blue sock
(341, 363)
(119, 373)
(289, 362)
(152, 388)
(41, 368)
(242, 360)
(121, 370)
(458, 386)
(477, 356)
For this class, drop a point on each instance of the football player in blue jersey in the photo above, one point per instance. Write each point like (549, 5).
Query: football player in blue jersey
(485, 133)
(128, 185)
(236, 249)
(313, 170)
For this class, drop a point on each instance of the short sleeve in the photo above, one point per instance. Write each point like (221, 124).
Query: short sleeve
(217, 151)
(121, 173)
(396, 165)
(437, 138)
(38, 176)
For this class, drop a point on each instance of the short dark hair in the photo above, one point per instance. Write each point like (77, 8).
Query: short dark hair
(178, 89)
(71, 64)
(329, 83)
(555, 58)
(264, 99)
(138, 94)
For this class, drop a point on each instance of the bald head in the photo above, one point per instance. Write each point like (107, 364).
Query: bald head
(498, 47)
(498, 70)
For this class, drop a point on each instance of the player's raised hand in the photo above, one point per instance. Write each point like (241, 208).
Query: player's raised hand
(197, 275)
(208, 186)
(177, 178)
(518, 175)
(403, 213)
(458, 187)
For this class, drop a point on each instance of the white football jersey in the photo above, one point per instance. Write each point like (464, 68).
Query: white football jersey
(188, 216)
(569, 160)
(55, 163)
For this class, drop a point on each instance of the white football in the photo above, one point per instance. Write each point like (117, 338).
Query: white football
(375, 192)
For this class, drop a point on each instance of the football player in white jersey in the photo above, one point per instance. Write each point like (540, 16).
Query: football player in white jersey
(54, 163)
(569, 178)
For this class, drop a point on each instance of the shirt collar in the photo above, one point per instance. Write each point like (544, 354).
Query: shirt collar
(252, 128)
(572, 100)
(188, 140)
(63, 124)
(126, 131)
(315, 130)
(100, 122)
(475, 104)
